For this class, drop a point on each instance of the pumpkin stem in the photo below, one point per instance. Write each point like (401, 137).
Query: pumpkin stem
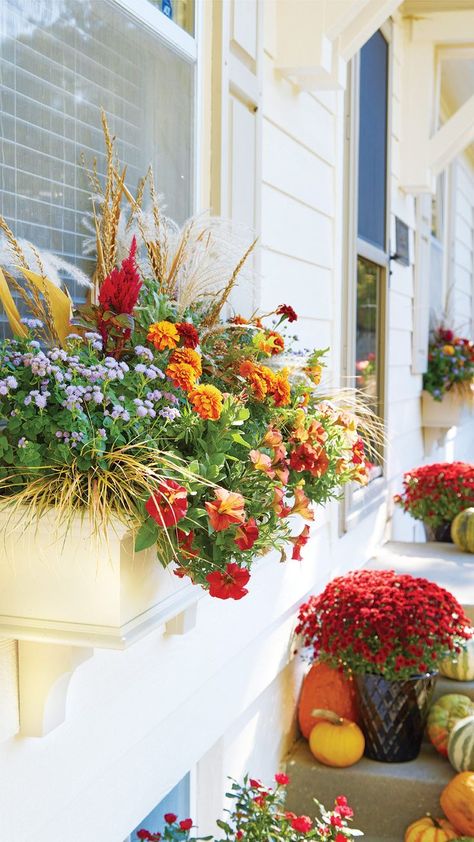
(329, 715)
(435, 822)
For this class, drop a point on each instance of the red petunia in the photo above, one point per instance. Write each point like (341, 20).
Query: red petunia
(247, 534)
(287, 311)
(230, 583)
(302, 823)
(168, 504)
(188, 334)
(120, 289)
(299, 542)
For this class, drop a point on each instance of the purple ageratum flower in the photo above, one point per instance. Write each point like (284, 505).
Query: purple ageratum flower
(22, 442)
(140, 368)
(142, 411)
(12, 382)
(144, 353)
(73, 337)
(41, 400)
(102, 433)
(170, 413)
(156, 395)
(32, 323)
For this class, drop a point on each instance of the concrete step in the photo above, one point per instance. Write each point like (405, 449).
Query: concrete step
(448, 685)
(385, 797)
(444, 564)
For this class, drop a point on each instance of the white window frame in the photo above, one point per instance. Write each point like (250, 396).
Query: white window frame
(359, 502)
(189, 47)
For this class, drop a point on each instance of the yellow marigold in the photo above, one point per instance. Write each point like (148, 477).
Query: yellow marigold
(207, 401)
(189, 357)
(448, 349)
(314, 373)
(163, 335)
(281, 391)
(181, 375)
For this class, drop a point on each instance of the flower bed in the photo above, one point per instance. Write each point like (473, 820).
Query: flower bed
(149, 406)
(436, 493)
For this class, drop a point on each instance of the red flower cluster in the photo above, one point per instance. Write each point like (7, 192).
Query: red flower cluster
(437, 493)
(188, 334)
(380, 622)
(287, 311)
(119, 290)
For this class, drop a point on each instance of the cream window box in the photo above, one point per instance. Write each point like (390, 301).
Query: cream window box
(441, 414)
(75, 588)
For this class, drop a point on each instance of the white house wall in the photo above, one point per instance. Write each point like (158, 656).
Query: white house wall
(220, 700)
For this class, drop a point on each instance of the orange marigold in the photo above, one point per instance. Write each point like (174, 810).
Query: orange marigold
(189, 357)
(281, 391)
(207, 401)
(268, 376)
(163, 335)
(246, 368)
(182, 375)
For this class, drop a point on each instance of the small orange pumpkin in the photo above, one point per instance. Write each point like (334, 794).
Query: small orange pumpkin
(428, 829)
(329, 689)
(457, 802)
(335, 741)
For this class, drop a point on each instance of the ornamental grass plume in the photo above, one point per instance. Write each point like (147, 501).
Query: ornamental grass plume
(380, 622)
(436, 493)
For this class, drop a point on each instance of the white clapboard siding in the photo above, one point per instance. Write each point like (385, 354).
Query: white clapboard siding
(295, 229)
(308, 286)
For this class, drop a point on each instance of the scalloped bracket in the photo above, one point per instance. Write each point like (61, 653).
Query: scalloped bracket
(44, 673)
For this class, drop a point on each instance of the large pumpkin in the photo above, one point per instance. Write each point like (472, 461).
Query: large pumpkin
(442, 718)
(460, 666)
(462, 530)
(428, 829)
(335, 741)
(327, 688)
(461, 745)
(457, 802)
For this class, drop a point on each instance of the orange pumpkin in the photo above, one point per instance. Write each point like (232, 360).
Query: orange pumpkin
(327, 688)
(335, 741)
(457, 802)
(428, 829)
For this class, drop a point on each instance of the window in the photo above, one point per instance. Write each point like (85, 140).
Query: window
(178, 801)
(181, 11)
(61, 62)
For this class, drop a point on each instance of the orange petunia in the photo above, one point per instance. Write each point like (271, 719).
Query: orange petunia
(269, 343)
(314, 373)
(182, 376)
(281, 390)
(207, 401)
(226, 509)
(261, 462)
(189, 357)
(163, 335)
(301, 505)
(272, 438)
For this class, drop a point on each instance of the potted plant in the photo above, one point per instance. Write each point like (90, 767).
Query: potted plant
(435, 494)
(390, 632)
(258, 812)
(149, 424)
(447, 383)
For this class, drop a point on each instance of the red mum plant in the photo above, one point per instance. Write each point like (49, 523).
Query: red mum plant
(258, 813)
(436, 493)
(376, 621)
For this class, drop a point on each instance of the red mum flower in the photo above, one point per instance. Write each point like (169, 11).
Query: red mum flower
(144, 834)
(282, 779)
(230, 583)
(287, 311)
(119, 290)
(168, 504)
(188, 334)
(186, 824)
(302, 823)
(247, 534)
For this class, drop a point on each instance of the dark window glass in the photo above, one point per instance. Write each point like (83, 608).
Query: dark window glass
(368, 339)
(373, 141)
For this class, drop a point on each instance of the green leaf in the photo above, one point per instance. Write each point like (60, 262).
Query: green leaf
(147, 535)
(223, 825)
(239, 439)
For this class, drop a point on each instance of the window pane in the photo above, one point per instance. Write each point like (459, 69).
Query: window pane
(177, 801)
(368, 313)
(60, 62)
(373, 141)
(181, 11)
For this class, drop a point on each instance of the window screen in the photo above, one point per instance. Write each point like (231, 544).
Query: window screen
(372, 188)
(60, 62)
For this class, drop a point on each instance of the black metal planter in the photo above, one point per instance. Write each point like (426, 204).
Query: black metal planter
(439, 533)
(393, 715)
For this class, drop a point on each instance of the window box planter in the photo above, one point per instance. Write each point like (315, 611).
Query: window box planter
(441, 414)
(77, 588)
